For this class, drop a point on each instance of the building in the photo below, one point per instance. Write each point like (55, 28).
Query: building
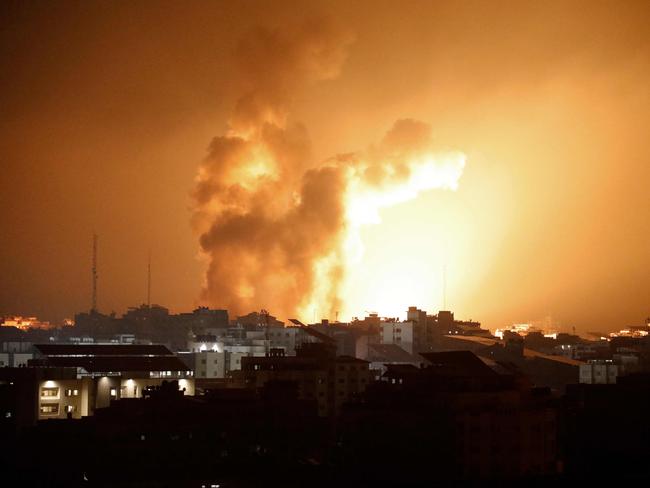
(606, 430)
(321, 376)
(402, 334)
(69, 380)
(457, 419)
(216, 355)
(153, 322)
(14, 359)
(381, 356)
(598, 372)
(343, 334)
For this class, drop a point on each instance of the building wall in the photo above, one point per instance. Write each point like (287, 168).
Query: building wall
(330, 384)
(17, 346)
(80, 397)
(14, 359)
(399, 333)
(58, 398)
(287, 338)
(210, 364)
(598, 373)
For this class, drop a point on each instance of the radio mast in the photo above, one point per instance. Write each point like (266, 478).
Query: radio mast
(94, 272)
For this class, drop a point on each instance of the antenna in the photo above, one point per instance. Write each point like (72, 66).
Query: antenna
(94, 272)
(149, 280)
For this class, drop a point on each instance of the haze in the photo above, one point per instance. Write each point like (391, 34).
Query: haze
(108, 110)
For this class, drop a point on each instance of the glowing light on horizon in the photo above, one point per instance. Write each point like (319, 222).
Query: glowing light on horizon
(363, 205)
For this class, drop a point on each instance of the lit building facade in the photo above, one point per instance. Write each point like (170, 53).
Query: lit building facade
(72, 381)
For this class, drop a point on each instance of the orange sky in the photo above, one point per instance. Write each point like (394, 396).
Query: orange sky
(108, 109)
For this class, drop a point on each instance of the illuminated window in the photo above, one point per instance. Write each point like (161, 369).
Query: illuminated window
(50, 392)
(113, 392)
(50, 409)
(70, 408)
(71, 392)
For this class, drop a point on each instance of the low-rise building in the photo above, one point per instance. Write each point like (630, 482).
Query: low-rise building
(14, 359)
(68, 380)
(598, 372)
(402, 334)
(321, 376)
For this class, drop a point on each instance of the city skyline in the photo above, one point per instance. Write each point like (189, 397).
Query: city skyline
(108, 119)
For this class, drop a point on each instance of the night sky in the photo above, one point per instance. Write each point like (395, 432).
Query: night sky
(110, 109)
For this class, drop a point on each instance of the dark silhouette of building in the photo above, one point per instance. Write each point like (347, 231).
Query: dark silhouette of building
(321, 376)
(455, 419)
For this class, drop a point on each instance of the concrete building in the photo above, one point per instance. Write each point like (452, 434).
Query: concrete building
(321, 376)
(215, 356)
(14, 359)
(209, 364)
(286, 338)
(380, 356)
(68, 380)
(343, 334)
(598, 372)
(458, 419)
(402, 334)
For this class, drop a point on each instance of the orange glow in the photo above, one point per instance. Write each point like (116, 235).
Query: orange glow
(363, 207)
(547, 101)
(25, 323)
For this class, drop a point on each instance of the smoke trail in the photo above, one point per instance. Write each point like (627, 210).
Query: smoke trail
(277, 230)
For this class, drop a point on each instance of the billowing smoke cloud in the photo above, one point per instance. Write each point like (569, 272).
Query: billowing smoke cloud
(279, 231)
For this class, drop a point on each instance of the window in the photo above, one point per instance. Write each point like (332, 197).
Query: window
(70, 408)
(50, 409)
(215, 361)
(113, 392)
(50, 392)
(71, 392)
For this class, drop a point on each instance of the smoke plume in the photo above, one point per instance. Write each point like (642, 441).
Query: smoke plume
(278, 230)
